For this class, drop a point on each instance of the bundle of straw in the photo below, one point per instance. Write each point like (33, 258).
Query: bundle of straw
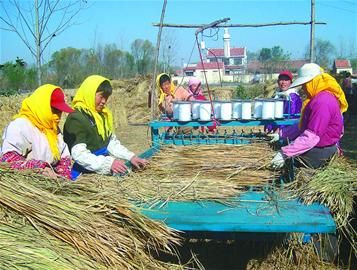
(98, 223)
(24, 247)
(213, 172)
(334, 186)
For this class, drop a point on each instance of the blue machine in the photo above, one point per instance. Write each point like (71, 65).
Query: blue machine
(262, 211)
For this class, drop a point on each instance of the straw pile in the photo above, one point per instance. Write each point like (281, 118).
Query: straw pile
(66, 225)
(334, 186)
(292, 254)
(215, 172)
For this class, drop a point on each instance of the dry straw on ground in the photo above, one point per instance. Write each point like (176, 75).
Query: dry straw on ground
(334, 186)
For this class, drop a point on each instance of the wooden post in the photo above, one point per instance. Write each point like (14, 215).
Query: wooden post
(312, 32)
(153, 97)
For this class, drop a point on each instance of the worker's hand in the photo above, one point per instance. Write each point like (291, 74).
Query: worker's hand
(274, 137)
(49, 172)
(118, 166)
(278, 161)
(138, 162)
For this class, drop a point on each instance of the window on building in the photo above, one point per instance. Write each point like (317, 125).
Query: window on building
(238, 61)
(189, 73)
(227, 72)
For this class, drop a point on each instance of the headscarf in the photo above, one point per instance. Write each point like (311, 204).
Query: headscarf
(325, 82)
(84, 100)
(162, 93)
(195, 81)
(37, 109)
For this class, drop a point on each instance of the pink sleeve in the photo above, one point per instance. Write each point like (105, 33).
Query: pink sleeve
(182, 94)
(290, 132)
(19, 162)
(306, 141)
(63, 167)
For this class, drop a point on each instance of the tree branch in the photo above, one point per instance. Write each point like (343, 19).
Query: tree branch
(24, 19)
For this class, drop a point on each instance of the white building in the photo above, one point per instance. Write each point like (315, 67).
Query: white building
(221, 64)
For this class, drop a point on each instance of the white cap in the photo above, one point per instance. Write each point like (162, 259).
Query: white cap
(306, 73)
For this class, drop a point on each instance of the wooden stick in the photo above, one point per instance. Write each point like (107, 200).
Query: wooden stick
(234, 25)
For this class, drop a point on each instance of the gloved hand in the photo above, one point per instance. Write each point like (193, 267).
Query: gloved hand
(274, 137)
(278, 161)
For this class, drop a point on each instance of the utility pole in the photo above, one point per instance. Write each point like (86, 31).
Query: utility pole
(38, 44)
(312, 32)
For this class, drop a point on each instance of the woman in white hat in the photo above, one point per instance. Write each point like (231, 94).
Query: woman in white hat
(321, 123)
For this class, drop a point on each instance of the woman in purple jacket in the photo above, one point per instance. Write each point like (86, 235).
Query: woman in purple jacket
(321, 123)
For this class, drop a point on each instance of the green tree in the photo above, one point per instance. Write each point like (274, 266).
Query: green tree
(91, 61)
(265, 55)
(278, 54)
(354, 63)
(252, 55)
(143, 53)
(16, 76)
(112, 61)
(66, 65)
(324, 52)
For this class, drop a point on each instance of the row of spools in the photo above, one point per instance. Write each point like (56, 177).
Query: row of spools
(265, 109)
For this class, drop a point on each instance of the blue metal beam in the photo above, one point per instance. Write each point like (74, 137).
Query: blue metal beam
(231, 123)
(251, 213)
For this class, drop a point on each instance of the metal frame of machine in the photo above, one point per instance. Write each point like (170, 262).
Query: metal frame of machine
(255, 211)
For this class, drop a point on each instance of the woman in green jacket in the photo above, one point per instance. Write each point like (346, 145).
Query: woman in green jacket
(89, 134)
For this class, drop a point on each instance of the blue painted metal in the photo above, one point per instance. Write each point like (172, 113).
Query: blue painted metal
(251, 212)
(202, 138)
(230, 123)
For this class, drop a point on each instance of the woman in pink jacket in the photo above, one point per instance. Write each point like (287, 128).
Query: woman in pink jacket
(315, 139)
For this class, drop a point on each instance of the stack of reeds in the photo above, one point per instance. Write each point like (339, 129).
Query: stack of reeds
(63, 225)
(334, 186)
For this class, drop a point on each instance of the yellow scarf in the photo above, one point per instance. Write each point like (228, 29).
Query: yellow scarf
(162, 94)
(85, 100)
(37, 109)
(325, 82)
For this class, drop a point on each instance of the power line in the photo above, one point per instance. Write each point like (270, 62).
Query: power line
(335, 7)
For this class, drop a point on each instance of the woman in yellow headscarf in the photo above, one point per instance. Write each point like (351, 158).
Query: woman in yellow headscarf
(33, 140)
(170, 93)
(321, 123)
(89, 132)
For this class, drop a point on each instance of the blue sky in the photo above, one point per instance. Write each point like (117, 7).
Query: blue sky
(121, 22)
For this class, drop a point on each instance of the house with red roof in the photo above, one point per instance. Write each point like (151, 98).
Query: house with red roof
(340, 65)
(220, 62)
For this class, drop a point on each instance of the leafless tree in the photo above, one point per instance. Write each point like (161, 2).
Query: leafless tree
(169, 49)
(37, 22)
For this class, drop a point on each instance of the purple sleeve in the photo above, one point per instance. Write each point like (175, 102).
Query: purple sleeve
(295, 104)
(290, 132)
(319, 117)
